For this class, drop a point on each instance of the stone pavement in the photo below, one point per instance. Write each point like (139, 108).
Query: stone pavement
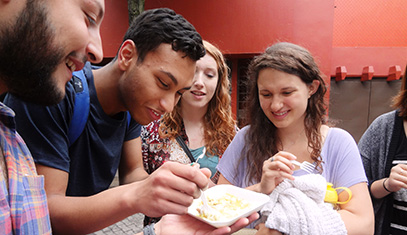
(131, 225)
(134, 224)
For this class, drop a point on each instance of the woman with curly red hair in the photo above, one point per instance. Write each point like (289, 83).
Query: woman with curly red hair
(201, 122)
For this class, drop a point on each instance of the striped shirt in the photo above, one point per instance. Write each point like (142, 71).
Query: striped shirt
(398, 222)
(23, 203)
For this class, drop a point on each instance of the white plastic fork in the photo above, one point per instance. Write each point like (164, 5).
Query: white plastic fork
(306, 166)
(206, 209)
(202, 155)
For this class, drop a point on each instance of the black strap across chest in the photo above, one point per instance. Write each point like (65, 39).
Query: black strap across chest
(185, 148)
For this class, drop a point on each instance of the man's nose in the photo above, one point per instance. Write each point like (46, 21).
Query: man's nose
(94, 49)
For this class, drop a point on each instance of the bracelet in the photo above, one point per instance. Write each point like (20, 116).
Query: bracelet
(149, 229)
(384, 186)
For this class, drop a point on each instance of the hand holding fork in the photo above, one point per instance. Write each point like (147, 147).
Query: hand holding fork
(306, 166)
(206, 209)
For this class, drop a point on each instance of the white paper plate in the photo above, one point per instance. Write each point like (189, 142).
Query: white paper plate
(256, 201)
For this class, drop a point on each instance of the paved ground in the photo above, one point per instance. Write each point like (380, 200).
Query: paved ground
(130, 225)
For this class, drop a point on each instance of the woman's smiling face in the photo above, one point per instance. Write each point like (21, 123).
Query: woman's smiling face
(283, 97)
(205, 81)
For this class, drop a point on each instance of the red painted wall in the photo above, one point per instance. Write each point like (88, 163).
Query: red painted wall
(247, 27)
(114, 26)
(349, 33)
(369, 33)
(370, 23)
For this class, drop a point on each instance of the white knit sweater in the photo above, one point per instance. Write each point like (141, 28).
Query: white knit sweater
(298, 207)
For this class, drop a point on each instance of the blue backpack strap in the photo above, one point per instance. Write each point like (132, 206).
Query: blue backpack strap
(81, 106)
(128, 119)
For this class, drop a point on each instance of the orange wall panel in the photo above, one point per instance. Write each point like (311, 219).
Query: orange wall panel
(369, 33)
(370, 23)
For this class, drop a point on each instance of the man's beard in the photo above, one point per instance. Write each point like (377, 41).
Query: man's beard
(28, 56)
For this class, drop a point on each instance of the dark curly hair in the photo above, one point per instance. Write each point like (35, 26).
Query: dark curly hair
(261, 139)
(162, 25)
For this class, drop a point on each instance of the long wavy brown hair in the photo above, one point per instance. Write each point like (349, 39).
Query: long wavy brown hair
(219, 126)
(262, 139)
(400, 100)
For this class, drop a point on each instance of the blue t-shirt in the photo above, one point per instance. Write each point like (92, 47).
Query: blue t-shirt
(92, 161)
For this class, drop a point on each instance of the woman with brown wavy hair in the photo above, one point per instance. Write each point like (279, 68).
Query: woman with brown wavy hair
(286, 122)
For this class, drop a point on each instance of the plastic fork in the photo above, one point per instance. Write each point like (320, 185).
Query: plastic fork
(206, 209)
(306, 166)
(202, 155)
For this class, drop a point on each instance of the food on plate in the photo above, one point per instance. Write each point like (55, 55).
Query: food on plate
(233, 197)
(222, 206)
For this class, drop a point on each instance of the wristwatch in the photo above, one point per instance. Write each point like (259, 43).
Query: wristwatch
(149, 229)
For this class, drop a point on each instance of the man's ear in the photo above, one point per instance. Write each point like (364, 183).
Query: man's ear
(127, 54)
